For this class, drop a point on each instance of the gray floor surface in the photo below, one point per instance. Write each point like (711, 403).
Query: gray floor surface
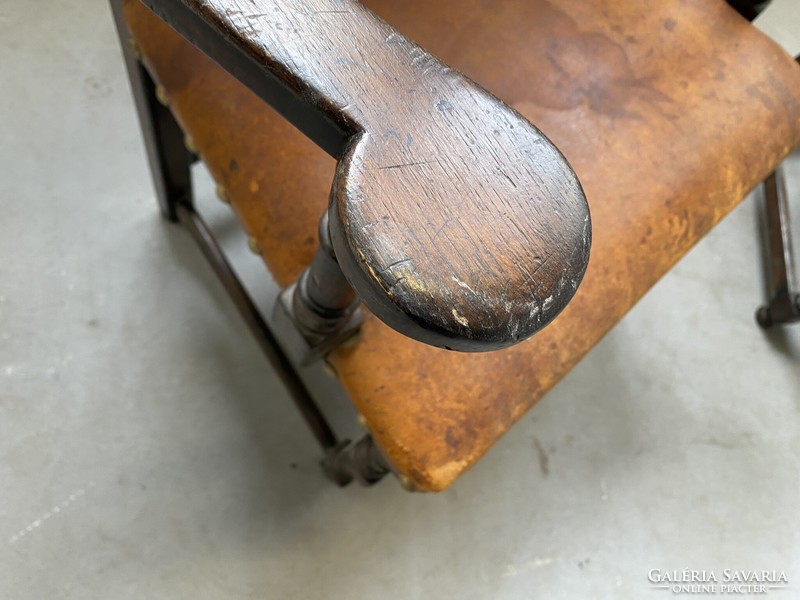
(147, 451)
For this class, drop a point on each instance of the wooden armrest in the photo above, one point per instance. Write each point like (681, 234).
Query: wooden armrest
(455, 220)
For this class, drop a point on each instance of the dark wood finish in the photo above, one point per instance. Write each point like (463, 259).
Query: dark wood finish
(668, 112)
(455, 220)
(170, 161)
(749, 9)
(269, 345)
(783, 306)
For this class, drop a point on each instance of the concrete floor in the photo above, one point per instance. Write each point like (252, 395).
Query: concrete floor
(146, 450)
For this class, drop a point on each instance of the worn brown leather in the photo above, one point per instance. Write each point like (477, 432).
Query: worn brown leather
(669, 112)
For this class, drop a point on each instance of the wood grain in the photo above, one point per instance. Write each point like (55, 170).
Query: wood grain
(456, 221)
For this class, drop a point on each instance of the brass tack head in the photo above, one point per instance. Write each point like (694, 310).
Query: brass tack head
(362, 422)
(188, 141)
(135, 49)
(161, 95)
(405, 483)
(222, 194)
(252, 243)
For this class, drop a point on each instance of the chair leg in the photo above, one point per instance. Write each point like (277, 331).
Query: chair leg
(784, 305)
(170, 164)
(170, 160)
(361, 461)
(343, 461)
(320, 310)
(260, 329)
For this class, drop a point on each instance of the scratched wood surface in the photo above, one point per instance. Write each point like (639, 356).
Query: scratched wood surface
(456, 220)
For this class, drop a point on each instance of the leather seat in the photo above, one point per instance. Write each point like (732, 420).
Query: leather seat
(669, 112)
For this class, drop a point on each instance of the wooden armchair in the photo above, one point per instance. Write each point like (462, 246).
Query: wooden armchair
(408, 212)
